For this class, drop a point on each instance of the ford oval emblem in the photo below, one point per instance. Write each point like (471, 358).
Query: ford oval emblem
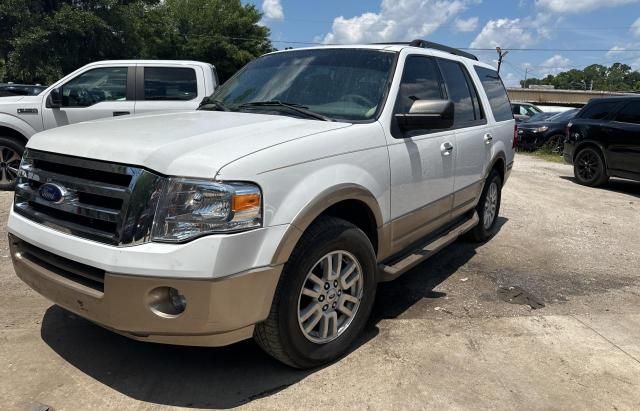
(52, 193)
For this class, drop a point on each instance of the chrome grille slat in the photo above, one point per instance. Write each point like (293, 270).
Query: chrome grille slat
(62, 225)
(100, 201)
(79, 184)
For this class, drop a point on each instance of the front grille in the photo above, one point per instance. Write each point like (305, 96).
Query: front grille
(105, 202)
(80, 273)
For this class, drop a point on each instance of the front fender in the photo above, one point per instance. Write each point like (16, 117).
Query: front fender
(16, 124)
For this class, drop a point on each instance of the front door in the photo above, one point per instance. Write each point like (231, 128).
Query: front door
(422, 162)
(97, 93)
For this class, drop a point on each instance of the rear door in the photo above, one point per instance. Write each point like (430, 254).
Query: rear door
(473, 138)
(166, 87)
(96, 93)
(624, 139)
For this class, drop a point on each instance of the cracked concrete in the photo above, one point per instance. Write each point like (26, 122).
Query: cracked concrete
(439, 338)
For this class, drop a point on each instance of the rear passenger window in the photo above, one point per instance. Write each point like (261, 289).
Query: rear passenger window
(170, 83)
(496, 93)
(598, 111)
(461, 91)
(630, 113)
(420, 81)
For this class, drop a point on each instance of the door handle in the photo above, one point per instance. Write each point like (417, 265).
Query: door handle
(488, 138)
(121, 113)
(446, 148)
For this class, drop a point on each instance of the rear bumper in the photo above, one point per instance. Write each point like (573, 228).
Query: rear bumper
(567, 154)
(218, 311)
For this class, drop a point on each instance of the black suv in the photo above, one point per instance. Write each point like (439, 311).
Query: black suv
(603, 141)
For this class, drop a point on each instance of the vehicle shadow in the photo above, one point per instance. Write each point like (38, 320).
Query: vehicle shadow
(615, 185)
(227, 377)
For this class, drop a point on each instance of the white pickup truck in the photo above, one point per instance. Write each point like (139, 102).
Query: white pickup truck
(275, 209)
(98, 90)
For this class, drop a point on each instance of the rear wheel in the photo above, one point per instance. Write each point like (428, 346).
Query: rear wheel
(10, 157)
(324, 296)
(589, 168)
(488, 209)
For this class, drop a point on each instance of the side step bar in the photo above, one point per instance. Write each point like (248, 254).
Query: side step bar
(415, 257)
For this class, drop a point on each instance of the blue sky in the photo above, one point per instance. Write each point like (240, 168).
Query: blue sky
(610, 29)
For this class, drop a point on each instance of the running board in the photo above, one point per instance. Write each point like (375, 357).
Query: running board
(417, 256)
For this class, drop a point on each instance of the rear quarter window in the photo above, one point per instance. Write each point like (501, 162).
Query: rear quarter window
(598, 110)
(496, 93)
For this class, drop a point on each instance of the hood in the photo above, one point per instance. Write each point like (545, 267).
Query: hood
(11, 99)
(189, 144)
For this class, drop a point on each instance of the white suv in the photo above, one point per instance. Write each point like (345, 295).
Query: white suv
(274, 210)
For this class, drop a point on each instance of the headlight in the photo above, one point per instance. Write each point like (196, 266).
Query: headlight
(540, 129)
(192, 208)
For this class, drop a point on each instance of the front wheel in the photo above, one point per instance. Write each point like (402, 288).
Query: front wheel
(324, 296)
(10, 157)
(488, 209)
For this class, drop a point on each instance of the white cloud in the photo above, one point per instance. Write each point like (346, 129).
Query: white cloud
(635, 28)
(579, 6)
(466, 25)
(615, 52)
(272, 10)
(504, 33)
(396, 21)
(515, 33)
(554, 65)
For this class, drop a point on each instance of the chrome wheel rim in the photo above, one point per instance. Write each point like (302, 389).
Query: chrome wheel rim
(330, 297)
(587, 165)
(490, 205)
(9, 165)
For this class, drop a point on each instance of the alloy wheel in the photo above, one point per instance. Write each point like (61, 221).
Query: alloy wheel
(9, 165)
(330, 297)
(587, 165)
(490, 205)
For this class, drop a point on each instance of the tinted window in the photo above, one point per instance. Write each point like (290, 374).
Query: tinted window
(344, 84)
(496, 93)
(420, 81)
(167, 83)
(96, 86)
(630, 113)
(598, 111)
(460, 91)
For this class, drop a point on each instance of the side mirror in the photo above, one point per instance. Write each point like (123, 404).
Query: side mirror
(427, 115)
(54, 100)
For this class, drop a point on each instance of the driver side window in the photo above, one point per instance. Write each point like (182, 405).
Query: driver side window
(96, 86)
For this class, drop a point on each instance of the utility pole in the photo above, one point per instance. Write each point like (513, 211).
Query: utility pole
(526, 73)
(501, 55)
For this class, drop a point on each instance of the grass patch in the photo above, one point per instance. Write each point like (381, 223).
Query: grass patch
(547, 155)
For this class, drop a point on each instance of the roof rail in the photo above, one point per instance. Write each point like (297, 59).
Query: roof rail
(430, 45)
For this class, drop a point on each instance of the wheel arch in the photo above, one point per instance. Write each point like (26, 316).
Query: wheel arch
(6, 131)
(350, 202)
(592, 144)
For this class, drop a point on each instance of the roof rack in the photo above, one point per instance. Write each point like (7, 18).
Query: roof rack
(435, 46)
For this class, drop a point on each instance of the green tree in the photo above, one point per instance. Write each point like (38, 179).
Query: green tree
(41, 40)
(618, 77)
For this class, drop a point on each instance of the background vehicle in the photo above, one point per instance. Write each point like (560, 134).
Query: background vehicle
(98, 90)
(524, 111)
(11, 89)
(549, 133)
(541, 116)
(274, 210)
(603, 141)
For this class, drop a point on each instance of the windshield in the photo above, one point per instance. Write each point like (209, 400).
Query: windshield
(341, 84)
(564, 116)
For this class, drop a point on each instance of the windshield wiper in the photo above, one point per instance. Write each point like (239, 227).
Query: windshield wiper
(208, 103)
(298, 108)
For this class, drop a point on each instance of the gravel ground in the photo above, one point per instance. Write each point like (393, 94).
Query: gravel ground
(440, 335)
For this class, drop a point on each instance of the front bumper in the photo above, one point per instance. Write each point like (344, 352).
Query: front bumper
(218, 312)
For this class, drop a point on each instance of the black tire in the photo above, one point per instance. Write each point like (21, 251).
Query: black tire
(483, 232)
(589, 167)
(281, 335)
(555, 144)
(9, 148)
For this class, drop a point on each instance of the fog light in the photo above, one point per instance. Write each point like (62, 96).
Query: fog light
(166, 302)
